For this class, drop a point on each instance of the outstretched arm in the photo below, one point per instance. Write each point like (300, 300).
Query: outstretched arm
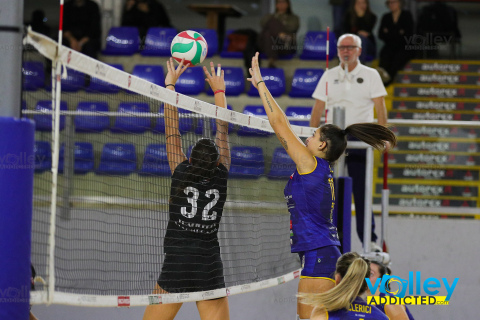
(172, 134)
(217, 83)
(295, 148)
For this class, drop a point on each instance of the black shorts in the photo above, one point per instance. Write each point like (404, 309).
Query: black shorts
(190, 272)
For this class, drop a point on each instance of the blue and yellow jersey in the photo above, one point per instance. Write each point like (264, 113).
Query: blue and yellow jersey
(358, 310)
(311, 200)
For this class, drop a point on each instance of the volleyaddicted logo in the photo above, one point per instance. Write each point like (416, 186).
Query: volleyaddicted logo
(395, 290)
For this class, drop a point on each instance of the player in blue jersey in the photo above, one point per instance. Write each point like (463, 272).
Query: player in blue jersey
(393, 311)
(197, 196)
(310, 192)
(344, 302)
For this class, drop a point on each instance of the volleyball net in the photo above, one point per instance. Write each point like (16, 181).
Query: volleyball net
(98, 237)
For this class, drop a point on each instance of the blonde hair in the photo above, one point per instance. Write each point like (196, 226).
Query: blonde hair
(353, 269)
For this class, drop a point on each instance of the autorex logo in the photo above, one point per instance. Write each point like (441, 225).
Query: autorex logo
(399, 287)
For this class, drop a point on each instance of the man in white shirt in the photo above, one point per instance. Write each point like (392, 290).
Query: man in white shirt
(358, 89)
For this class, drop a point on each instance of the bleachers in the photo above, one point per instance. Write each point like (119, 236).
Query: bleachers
(247, 163)
(157, 42)
(92, 123)
(43, 156)
(155, 161)
(117, 159)
(122, 41)
(33, 75)
(44, 122)
(133, 124)
(152, 160)
(83, 158)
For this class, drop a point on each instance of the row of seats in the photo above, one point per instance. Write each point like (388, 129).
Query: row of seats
(191, 82)
(121, 159)
(137, 124)
(126, 41)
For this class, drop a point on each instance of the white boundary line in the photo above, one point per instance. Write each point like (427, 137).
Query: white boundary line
(40, 297)
(100, 70)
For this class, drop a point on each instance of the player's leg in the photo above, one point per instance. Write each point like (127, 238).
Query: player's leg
(318, 275)
(210, 277)
(216, 309)
(161, 311)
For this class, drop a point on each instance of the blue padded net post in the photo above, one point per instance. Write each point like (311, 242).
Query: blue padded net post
(17, 163)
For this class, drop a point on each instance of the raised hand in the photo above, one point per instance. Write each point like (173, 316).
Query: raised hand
(172, 73)
(255, 74)
(215, 81)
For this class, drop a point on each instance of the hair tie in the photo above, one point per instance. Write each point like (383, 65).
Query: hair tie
(344, 132)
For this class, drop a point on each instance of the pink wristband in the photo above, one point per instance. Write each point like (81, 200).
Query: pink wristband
(218, 91)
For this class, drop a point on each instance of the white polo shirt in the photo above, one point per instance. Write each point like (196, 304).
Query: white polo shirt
(354, 92)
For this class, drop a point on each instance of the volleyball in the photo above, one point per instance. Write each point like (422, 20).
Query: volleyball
(189, 45)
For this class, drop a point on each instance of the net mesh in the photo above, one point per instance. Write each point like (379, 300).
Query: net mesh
(114, 187)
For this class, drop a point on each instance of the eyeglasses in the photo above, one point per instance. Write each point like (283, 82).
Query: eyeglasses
(349, 48)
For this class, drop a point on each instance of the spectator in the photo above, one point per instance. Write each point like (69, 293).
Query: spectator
(144, 14)
(396, 30)
(359, 90)
(438, 24)
(81, 27)
(38, 23)
(278, 35)
(339, 7)
(360, 20)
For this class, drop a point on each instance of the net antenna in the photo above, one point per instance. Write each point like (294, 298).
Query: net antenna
(56, 91)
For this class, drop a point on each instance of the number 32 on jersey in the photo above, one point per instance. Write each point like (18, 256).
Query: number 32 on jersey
(192, 197)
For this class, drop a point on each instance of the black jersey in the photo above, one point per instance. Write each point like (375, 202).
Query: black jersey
(195, 212)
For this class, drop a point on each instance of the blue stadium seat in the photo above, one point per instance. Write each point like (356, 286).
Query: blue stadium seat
(213, 125)
(315, 46)
(33, 75)
(132, 124)
(117, 159)
(92, 123)
(274, 79)
(282, 165)
(234, 81)
(83, 158)
(191, 82)
(158, 41)
(258, 111)
(44, 122)
(225, 53)
(97, 85)
(151, 73)
(185, 124)
(155, 161)
(43, 156)
(302, 113)
(122, 41)
(247, 163)
(304, 82)
(211, 37)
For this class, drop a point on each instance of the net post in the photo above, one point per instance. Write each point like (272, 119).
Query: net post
(68, 166)
(367, 222)
(385, 198)
(339, 120)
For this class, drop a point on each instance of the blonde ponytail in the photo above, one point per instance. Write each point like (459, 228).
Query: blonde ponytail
(352, 284)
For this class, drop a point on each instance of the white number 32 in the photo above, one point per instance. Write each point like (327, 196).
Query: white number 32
(192, 199)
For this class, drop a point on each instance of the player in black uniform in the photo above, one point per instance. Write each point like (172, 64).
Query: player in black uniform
(197, 196)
